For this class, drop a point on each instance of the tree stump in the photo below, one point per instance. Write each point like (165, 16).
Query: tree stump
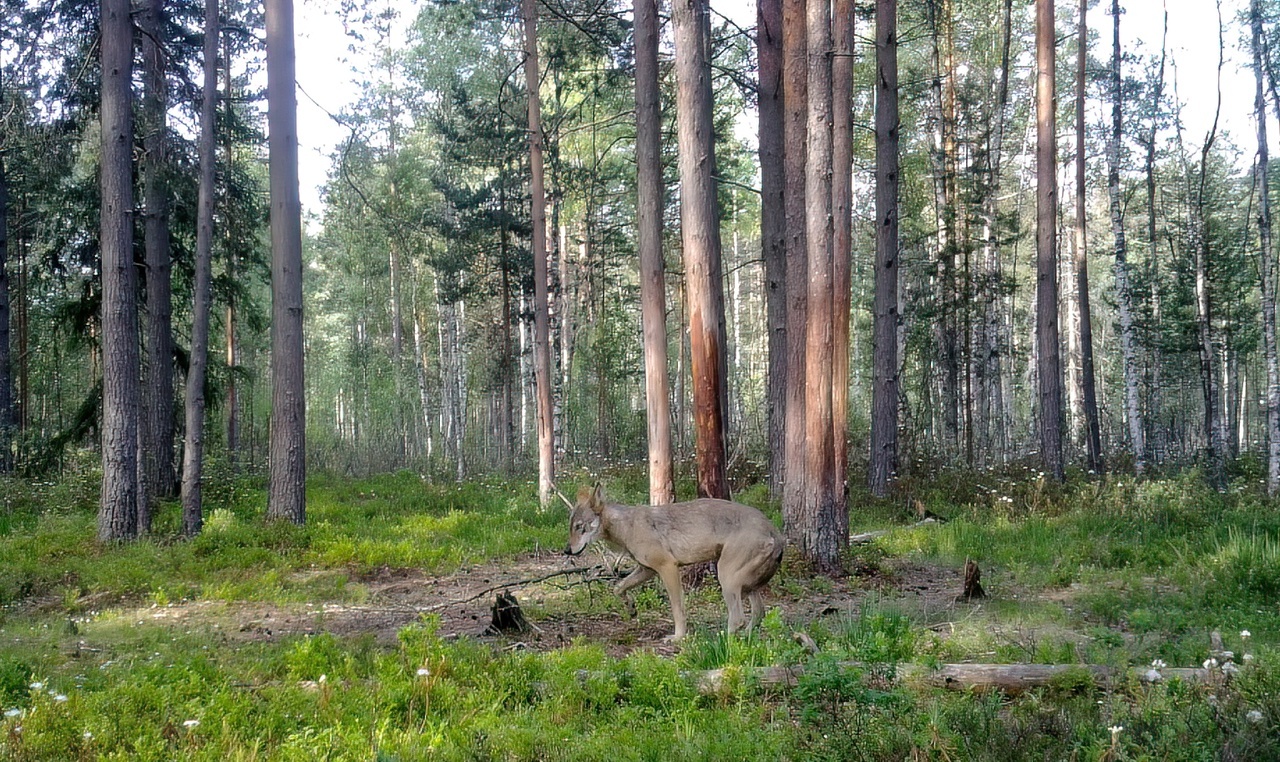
(972, 582)
(507, 616)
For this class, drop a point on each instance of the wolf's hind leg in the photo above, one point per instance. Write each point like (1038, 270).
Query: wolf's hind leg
(641, 575)
(757, 609)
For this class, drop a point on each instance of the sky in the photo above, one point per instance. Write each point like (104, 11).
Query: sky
(327, 85)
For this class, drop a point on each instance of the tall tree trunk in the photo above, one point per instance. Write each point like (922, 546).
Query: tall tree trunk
(992, 403)
(842, 237)
(795, 99)
(884, 391)
(118, 510)
(156, 424)
(1210, 382)
(541, 316)
(7, 418)
(1265, 261)
(773, 241)
(286, 497)
(1124, 295)
(193, 448)
(653, 288)
(821, 534)
(232, 345)
(700, 228)
(1049, 365)
(1093, 430)
(947, 325)
(1154, 358)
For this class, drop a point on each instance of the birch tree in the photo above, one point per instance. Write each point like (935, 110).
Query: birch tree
(1124, 295)
(1266, 271)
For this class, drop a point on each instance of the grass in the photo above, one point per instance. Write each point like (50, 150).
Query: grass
(1119, 572)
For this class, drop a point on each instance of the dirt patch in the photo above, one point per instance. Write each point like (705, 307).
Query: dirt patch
(564, 599)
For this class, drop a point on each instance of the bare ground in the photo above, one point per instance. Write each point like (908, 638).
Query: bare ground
(563, 599)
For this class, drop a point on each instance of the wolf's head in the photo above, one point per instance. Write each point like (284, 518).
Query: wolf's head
(584, 519)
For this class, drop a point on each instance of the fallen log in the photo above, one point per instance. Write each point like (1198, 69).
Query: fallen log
(1007, 678)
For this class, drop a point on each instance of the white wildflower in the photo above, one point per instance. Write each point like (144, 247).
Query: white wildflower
(323, 679)
(13, 713)
(423, 672)
(1245, 634)
(1248, 658)
(190, 723)
(1158, 663)
(37, 686)
(1210, 663)
(59, 697)
(88, 736)
(1254, 716)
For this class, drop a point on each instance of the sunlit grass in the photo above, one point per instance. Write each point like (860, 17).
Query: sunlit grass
(1120, 572)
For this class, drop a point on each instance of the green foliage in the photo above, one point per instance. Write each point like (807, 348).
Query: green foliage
(110, 684)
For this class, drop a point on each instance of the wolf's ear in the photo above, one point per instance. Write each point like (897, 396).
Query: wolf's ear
(597, 497)
(584, 494)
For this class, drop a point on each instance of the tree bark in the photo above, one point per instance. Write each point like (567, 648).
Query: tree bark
(820, 534)
(773, 241)
(992, 370)
(1153, 351)
(1049, 365)
(842, 237)
(653, 289)
(884, 392)
(946, 326)
(795, 84)
(8, 420)
(700, 229)
(1093, 431)
(1124, 295)
(1209, 379)
(1265, 262)
(118, 510)
(157, 415)
(541, 316)
(193, 448)
(232, 345)
(286, 498)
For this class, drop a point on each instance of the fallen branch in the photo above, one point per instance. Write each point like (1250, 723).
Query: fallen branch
(866, 537)
(1008, 678)
(481, 594)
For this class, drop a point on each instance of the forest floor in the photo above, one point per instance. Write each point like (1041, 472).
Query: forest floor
(563, 598)
(364, 633)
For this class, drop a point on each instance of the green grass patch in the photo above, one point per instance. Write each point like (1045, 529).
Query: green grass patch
(1118, 572)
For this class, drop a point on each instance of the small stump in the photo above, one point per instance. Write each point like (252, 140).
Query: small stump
(507, 616)
(972, 583)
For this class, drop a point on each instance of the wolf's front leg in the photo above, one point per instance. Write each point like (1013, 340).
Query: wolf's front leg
(675, 592)
(641, 575)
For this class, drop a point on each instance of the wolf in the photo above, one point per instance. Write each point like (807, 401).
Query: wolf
(746, 547)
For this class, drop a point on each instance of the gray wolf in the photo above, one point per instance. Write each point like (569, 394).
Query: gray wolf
(745, 545)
